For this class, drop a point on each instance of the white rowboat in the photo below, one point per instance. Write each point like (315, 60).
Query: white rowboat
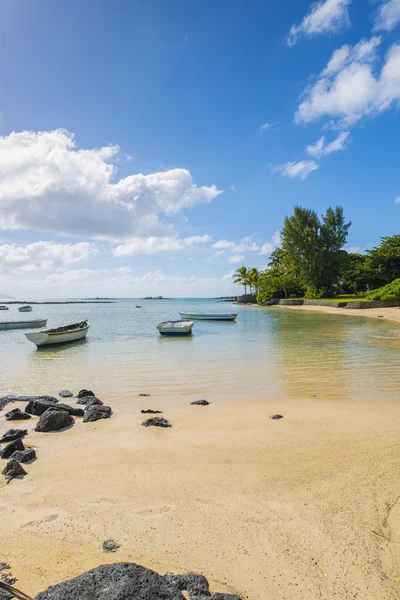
(209, 316)
(2, 307)
(23, 324)
(175, 327)
(60, 335)
(25, 308)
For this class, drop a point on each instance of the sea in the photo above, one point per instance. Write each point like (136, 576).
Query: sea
(266, 352)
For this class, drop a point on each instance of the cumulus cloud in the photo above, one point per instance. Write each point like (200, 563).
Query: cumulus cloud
(43, 255)
(321, 148)
(236, 258)
(324, 17)
(47, 183)
(156, 245)
(247, 244)
(297, 170)
(388, 15)
(349, 88)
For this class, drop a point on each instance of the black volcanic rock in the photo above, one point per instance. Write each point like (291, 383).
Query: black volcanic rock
(89, 401)
(150, 411)
(13, 469)
(128, 581)
(201, 402)
(38, 406)
(65, 394)
(156, 422)
(74, 412)
(16, 414)
(17, 445)
(276, 417)
(95, 413)
(83, 393)
(54, 420)
(13, 434)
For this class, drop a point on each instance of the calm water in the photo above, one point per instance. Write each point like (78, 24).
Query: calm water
(266, 352)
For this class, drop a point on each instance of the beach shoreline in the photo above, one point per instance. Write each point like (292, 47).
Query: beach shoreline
(304, 507)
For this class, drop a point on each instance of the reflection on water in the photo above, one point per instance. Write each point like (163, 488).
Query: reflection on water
(267, 351)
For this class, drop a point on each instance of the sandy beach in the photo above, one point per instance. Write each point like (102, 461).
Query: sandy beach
(300, 508)
(390, 314)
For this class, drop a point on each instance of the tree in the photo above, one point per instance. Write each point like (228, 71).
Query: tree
(312, 248)
(391, 291)
(253, 278)
(277, 286)
(384, 261)
(241, 277)
(355, 273)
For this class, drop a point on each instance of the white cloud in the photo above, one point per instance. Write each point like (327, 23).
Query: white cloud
(324, 16)
(43, 255)
(354, 250)
(156, 245)
(266, 127)
(267, 248)
(247, 244)
(388, 15)
(300, 170)
(348, 89)
(70, 277)
(236, 258)
(47, 183)
(321, 148)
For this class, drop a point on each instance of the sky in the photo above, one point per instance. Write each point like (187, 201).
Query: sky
(151, 148)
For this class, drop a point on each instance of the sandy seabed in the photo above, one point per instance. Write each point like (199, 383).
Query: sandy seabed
(301, 508)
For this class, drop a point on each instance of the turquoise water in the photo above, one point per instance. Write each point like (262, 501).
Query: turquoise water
(266, 352)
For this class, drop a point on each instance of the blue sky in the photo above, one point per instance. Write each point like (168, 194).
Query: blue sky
(152, 147)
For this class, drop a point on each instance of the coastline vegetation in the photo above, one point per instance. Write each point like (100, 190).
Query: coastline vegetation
(312, 263)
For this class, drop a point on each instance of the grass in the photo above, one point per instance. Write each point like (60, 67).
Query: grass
(347, 298)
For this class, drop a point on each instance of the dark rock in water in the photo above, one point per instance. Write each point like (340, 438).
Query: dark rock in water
(201, 402)
(89, 400)
(13, 469)
(128, 581)
(17, 445)
(144, 395)
(16, 414)
(13, 434)
(83, 393)
(110, 546)
(39, 406)
(95, 413)
(150, 411)
(276, 417)
(24, 456)
(54, 420)
(65, 394)
(74, 412)
(156, 422)
(13, 398)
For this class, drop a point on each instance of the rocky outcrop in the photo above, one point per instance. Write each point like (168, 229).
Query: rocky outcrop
(13, 434)
(24, 456)
(83, 393)
(89, 401)
(201, 403)
(156, 422)
(73, 411)
(11, 448)
(128, 581)
(54, 420)
(247, 299)
(4, 400)
(95, 413)
(39, 405)
(16, 414)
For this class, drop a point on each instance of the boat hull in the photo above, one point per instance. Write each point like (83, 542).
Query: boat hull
(25, 308)
(23, 324)
(42, 338)
(175, 328)
(209, 316)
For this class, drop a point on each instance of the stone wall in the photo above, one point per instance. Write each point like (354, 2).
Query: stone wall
(373, 304)
(325, 303)
(290, 302)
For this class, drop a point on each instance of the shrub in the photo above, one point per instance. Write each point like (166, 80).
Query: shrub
(391, 291)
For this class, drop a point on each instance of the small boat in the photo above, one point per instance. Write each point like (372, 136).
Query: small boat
(137, 306)
(60, 335)
(23, 324)
(26, 308)
(209, 316)
(175, 327)
(2, 307)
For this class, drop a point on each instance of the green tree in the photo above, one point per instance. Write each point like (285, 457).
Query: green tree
(312, 248)
(384, 261)
(355, 273)
(253, 279)
(241, 277)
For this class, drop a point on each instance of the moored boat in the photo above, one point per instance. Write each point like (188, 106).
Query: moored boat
(175, 327)
(60, 335)
(23, 324)
(26, 308)
(209, 316)
(2, 307)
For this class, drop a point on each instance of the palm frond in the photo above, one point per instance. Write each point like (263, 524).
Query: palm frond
(14, 592)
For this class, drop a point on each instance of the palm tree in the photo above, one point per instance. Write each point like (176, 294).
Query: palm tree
(253, 277)
(241, 277)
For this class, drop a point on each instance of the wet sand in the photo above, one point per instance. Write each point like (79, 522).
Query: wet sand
(390, 314)
(301, 508)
